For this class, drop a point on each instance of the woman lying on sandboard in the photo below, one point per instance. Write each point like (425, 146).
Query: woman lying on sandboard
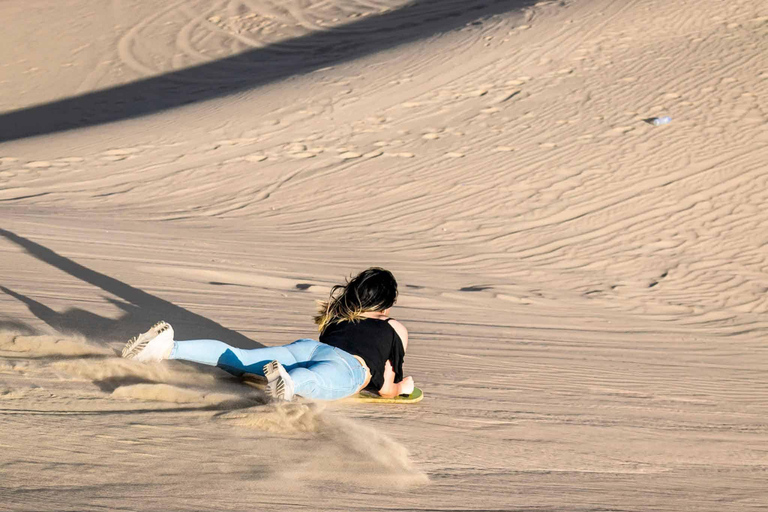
(360, 347)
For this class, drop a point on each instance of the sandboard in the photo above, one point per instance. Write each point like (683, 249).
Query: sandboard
(364, 397)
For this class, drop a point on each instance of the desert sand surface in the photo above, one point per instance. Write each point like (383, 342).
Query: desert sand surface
(586, 293)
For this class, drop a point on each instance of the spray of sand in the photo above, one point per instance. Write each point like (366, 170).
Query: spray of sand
(77, 357)
(173, 394)
(337, 449)
(124, 371)
(38, 346)
(159, 382)
(287, 418)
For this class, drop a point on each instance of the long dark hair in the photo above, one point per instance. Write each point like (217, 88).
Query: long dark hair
(374, 289)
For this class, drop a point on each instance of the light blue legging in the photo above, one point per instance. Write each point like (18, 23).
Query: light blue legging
(318, 371)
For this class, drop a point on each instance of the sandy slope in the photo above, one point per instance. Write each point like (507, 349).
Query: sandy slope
(586, 293)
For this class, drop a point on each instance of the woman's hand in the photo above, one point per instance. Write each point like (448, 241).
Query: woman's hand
(406, 386)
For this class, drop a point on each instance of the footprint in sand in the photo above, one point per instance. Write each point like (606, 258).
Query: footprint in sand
(38, 164)
(475, 288)
(295, 147)
(299, 151)
(236, 142)
(501, 98)
(618, 131)
(476, 93)
(513, 298)
(302, 155)
(122, 152)
(116, 155)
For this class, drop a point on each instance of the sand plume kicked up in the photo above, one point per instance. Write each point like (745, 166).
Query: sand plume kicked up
(287, 418)
(125, 378)
(118, 370)
(173, 394)
(337, 449)
(159, 382)
(37, 346)
(349, 451)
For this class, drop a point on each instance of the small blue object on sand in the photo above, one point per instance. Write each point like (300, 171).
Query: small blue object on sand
(658, 121)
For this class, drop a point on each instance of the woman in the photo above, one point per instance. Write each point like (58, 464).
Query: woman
(360, 347)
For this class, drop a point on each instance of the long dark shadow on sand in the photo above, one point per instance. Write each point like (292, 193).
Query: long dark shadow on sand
(141, 309)
(418, 20)
(240, 404)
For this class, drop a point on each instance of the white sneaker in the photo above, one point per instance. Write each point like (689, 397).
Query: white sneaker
(279, 383)
(154, 345)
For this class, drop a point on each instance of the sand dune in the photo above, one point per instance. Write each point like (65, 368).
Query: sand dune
(585, 291)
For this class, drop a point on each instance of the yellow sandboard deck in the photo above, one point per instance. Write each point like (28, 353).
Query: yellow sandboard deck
(364, 397)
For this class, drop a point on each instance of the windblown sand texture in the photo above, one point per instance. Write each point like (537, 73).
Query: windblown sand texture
(587, 294)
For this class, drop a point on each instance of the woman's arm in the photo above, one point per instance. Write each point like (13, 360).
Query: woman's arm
(401, 331)
(391, 389)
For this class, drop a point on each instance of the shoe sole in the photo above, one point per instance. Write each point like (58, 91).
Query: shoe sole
(274, 376)
(138, 343)
(280, 389)
(271, 371)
